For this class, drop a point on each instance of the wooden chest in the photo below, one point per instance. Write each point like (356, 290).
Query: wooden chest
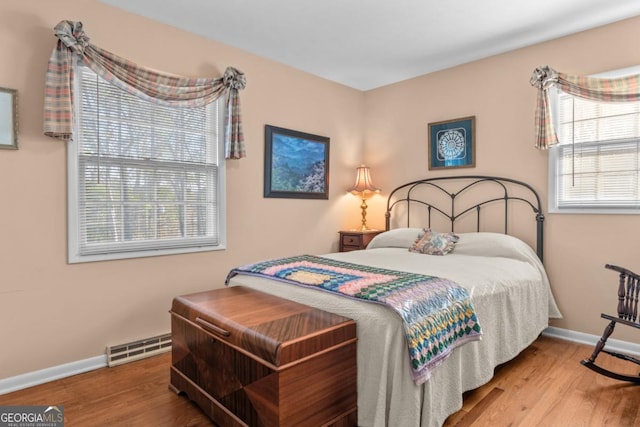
(252, 359)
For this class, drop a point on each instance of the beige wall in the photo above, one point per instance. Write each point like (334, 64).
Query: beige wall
(497, 91)
(53, 313)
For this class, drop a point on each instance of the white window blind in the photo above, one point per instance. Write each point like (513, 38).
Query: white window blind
(148, 178)
(596, 165)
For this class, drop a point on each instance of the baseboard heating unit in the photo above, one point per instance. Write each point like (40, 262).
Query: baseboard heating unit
(136, 350)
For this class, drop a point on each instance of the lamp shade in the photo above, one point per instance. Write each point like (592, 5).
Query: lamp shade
(363, 181)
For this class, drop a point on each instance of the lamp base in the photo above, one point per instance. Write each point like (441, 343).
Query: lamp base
(363, 206)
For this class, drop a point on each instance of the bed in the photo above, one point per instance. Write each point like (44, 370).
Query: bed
(502, 274)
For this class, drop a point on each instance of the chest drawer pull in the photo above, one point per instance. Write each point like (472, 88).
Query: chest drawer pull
(212, 328)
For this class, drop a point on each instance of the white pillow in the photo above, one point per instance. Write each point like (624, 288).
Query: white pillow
(492, 245)
(396, 238)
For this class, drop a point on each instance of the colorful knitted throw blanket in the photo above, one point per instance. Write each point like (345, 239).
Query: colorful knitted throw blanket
(437, 314)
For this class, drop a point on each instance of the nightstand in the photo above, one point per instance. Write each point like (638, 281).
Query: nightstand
(352, 240)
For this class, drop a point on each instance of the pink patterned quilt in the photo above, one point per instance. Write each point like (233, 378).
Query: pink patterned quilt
(436, 313)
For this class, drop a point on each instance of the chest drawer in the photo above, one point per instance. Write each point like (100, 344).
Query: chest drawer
(352, 240)
(356, 240)
(252, 359)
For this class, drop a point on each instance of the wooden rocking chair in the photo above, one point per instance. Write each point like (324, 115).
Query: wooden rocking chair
(628, 293)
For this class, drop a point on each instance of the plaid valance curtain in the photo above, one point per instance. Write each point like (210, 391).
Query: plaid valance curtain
(151, 85)
(622, 89)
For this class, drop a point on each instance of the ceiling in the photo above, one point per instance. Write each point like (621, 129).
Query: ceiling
(366, 44)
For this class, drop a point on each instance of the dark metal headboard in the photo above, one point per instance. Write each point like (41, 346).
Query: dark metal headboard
(509, 190)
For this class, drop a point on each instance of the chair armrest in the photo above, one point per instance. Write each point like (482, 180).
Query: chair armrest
(621, 270)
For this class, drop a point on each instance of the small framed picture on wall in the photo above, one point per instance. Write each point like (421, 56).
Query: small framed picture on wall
(452, 143)
(8, 118)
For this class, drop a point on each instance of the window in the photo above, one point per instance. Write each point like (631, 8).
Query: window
(595, 168)
(144, 179)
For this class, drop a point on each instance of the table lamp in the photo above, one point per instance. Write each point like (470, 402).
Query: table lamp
(362, 186)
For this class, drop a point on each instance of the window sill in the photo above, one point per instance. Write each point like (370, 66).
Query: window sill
(76, 259)
(595, 211)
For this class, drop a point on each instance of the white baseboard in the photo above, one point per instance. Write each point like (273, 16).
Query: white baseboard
(582, 338)
(42, 376)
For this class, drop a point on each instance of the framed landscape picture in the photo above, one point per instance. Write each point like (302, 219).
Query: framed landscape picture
(296, 164)
(452, 144)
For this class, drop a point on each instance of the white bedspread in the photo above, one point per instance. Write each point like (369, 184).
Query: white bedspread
(513, 302)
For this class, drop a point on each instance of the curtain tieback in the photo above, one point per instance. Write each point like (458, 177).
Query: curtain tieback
(543, 77)
(72, 35)
(234, 79)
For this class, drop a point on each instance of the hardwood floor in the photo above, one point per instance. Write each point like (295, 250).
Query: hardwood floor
(544, 386)
(547, 386)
